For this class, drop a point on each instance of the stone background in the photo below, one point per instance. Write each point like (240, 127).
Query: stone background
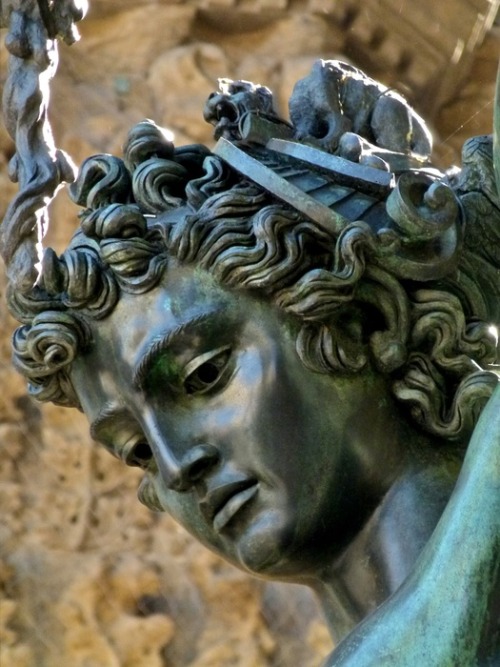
(88, 577)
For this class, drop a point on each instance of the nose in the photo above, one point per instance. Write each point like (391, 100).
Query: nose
(195, 464)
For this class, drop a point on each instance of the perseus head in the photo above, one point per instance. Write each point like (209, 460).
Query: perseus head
(241, 323)
(375, 293)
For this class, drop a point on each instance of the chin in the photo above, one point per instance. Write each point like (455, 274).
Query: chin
(263, 547)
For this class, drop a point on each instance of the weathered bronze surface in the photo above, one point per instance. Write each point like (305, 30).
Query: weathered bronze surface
(293, 336)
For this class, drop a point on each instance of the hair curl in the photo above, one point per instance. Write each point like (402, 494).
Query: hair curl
(434, 338)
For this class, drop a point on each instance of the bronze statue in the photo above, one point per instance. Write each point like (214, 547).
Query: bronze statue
(293, 335)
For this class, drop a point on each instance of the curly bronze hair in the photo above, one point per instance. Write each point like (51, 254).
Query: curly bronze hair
(434, 338)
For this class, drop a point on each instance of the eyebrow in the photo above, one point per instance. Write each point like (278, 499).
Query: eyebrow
(161, 343)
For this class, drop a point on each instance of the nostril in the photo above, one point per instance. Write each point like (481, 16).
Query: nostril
(197, 469)
(196, 464)
(199, 461)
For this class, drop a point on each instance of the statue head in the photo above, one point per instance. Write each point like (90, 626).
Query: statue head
(232, 315)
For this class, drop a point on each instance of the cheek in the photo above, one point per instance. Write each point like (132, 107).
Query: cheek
(183, 507)
(220, 421)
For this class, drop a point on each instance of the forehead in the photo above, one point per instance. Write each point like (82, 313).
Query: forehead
(184, 297)
(188, 305)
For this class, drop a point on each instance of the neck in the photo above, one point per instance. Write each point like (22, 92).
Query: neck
(384, 552)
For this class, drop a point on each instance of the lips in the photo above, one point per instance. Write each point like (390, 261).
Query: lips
(222, 503)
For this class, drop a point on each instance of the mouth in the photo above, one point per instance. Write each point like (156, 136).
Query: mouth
(224, 502)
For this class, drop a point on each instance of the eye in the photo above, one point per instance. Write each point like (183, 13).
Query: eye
(137, 454)
(207, 371)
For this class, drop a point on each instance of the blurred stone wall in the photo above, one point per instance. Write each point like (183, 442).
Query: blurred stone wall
(89, 577)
